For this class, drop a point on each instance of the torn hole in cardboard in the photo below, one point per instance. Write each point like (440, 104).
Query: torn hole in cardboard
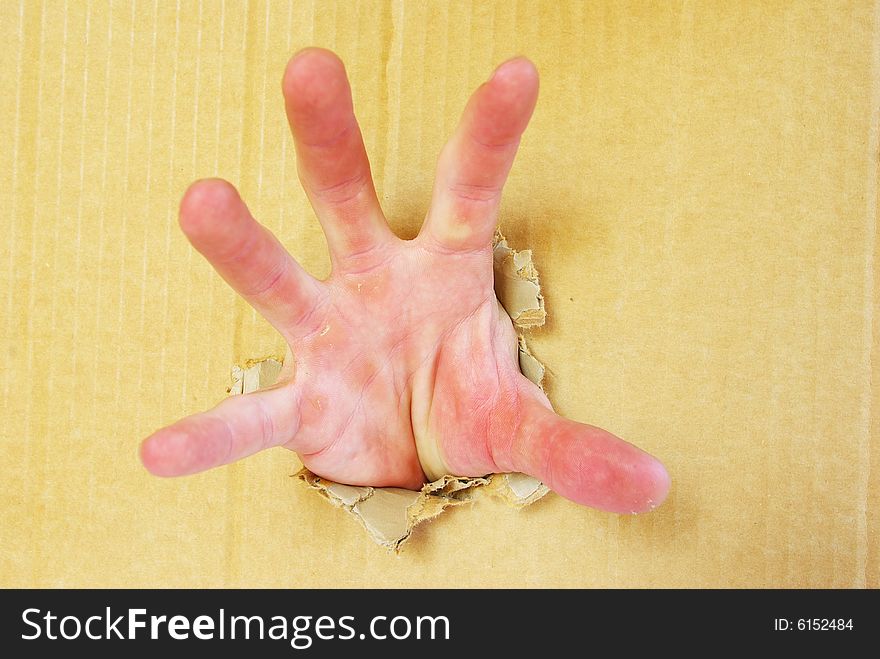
(389, 514)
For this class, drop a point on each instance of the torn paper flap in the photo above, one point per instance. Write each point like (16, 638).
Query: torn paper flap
(516, 489)
(530, 367)
(516, 284)
(389, 514)
(255, 374)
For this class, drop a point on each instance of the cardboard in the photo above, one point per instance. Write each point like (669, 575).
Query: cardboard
(389, 514)
(255, 374)
(698, 186)
(517, 285)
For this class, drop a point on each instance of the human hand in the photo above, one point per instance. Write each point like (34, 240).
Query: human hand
(405, 365)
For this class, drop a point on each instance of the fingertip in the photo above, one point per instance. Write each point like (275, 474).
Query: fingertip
(501, 109)
(313, 79)
(518, 71)
(514, 86)
(155, 456)
(650, 485)
(630, 481)
(662, 483)
(203, 202)
(176, 451)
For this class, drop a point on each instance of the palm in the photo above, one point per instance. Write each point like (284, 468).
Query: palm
(409, 354)
(404, 362)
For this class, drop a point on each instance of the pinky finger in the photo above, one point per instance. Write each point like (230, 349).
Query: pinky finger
(236, 428)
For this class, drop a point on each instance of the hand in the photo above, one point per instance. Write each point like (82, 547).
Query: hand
(405, 363)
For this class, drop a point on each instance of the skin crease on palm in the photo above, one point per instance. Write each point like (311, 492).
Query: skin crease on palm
(405, 363)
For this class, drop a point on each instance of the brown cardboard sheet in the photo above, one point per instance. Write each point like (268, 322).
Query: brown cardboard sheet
(698, 186)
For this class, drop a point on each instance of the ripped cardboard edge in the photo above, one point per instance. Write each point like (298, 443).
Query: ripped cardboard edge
(529, 364)
(518, 289)
(254, 374)
(389, 514)
(517, 285)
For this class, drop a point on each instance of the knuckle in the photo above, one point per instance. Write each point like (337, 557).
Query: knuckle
(342, 191)
(477, 193)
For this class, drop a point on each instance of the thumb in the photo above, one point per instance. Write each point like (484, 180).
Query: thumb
(583, 463)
